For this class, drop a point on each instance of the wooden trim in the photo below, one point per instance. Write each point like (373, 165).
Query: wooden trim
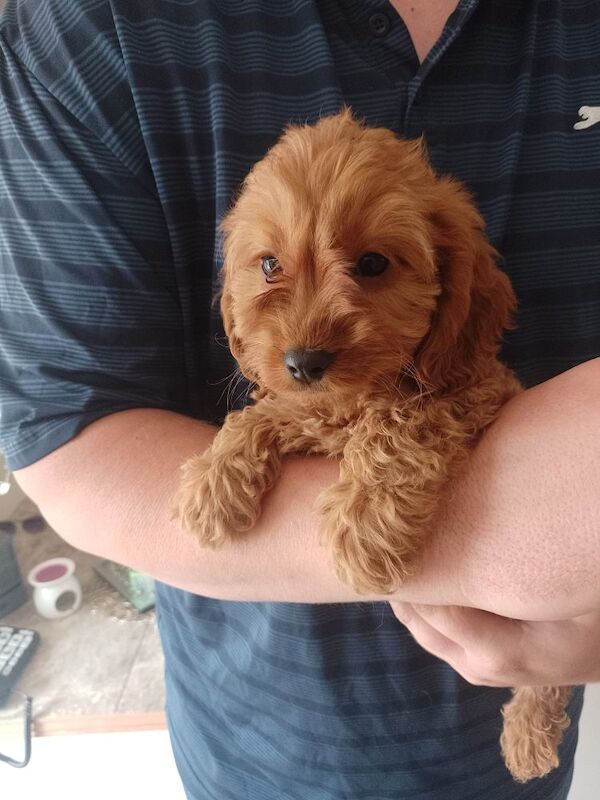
(100, 723)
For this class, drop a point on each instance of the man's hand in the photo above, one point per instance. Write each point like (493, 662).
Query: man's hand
(496, 651)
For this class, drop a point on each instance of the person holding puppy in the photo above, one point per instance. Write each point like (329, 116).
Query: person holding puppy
(127, 130)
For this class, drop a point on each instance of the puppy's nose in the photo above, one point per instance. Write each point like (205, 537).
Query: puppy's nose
(307, 366)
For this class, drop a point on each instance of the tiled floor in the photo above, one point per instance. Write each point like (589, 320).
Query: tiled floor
(103, 659)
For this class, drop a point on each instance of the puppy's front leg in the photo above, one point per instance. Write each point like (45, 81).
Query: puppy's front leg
(392, 479)
(221, 490)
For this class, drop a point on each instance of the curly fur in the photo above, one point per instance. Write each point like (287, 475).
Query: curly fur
(415, 377)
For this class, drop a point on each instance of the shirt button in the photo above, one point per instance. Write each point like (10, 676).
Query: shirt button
(379, 24)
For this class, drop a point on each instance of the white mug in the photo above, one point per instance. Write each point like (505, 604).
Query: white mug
(56, 590)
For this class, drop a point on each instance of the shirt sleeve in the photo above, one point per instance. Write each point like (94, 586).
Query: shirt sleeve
(90, 320)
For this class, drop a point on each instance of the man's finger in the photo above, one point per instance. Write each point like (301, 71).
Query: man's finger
(475, 630)
(478, 645)
(428, 637)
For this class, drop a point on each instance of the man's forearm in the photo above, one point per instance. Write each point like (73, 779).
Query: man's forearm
(110, 492)
(521, 526)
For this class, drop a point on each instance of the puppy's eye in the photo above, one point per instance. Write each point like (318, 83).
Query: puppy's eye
(270, 266)
(371, 264)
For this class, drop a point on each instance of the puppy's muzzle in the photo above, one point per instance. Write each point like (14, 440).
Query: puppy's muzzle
(307, 366)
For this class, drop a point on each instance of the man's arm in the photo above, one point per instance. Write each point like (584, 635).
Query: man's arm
(519, 536)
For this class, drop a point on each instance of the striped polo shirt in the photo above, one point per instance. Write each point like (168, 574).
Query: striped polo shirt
(125, 130)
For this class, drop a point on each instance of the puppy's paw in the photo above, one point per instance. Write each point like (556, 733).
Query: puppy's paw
(370, 553)
(216, 499)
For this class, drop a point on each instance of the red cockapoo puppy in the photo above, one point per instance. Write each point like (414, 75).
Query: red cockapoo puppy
(362, 299)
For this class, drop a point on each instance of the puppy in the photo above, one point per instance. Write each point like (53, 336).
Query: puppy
(362, 299)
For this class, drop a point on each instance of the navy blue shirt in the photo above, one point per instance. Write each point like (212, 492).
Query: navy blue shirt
(125, 130)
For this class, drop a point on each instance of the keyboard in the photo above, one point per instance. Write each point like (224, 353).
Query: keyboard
(17, 646)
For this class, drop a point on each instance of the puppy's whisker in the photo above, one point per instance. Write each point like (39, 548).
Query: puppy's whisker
(427, 387)
(388, 385)
(410, 371)
(424, 387)
(228, 377)
(230, 393)
(232, 376)
(221, 340)
(246, 389)
(231, 387)
(249, 388)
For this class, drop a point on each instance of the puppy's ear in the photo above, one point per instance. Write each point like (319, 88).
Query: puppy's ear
(476, 300)
(235, 344)
(229, 320)
(227, 230)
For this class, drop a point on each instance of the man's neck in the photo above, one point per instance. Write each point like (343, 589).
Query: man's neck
(425, 20)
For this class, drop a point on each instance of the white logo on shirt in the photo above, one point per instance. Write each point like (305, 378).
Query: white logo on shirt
(590, 115)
